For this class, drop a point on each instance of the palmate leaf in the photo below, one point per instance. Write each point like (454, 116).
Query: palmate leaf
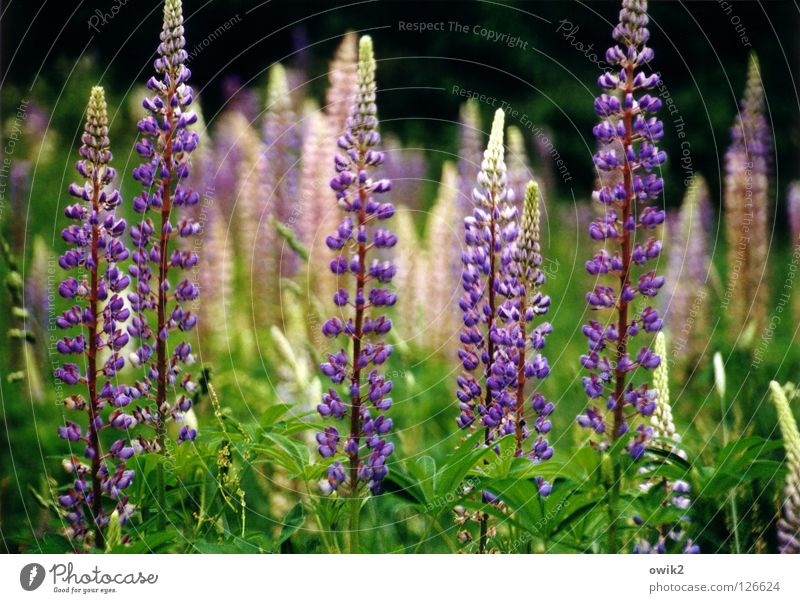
(583, 465)
(284, 452)
(432, 489)
(740, 461)
(291, 522)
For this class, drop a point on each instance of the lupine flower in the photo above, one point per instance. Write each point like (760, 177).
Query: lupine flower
(159, 303)
(793, 214)
(519, 358)
(319, 212)
(793, 211)
(490, 232)
(343, 83)
(239, 183)
(412, 276)
(746, 210)
(240, 99)
(676, 492)
(363, 395)
(98, 314)
(405, 167)
(216, 283)
(232, 173)
(282, 141)
(470, 153)
(445, 242)
(663, 425)
(629, 132)
(687, 308)
(271, 195)
(789, 523)
(544, 155)
(519, 169)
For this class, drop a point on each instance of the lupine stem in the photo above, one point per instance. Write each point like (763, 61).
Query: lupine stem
(353, 239)
(355, 517)
(622, 320)
(91, 374)
(629, 134)
(355, 412)
(100, 312)
(520, 410)
(490, 278)
(161, 343)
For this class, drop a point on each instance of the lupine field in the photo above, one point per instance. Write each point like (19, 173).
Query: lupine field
(456, 277)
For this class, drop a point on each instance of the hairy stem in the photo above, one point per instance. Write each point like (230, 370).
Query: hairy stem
(161, 343)
(520, 411)
(622, 319)
(355, 517)
(91, 374)
(484, 520)
(355, 380)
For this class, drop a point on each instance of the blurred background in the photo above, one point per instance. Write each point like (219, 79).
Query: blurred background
(50, 54)
(539, 61)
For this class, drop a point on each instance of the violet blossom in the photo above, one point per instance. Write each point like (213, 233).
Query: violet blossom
(360, 393)
(159, 299)
(628, 132)
(97, 316)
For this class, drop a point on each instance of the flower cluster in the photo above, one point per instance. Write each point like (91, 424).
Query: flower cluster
(789, 523)
(98, 314)
(278, 173)
(746, 200)
(165, 146)
(359, 320)
(514, 334)
(676, 492)
(628, 133)
(490, 233)
(686, 314)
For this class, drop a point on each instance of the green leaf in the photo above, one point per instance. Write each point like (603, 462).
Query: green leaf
(292, 522)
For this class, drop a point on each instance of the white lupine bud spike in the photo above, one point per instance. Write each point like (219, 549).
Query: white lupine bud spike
(663, 425)
(789, 523)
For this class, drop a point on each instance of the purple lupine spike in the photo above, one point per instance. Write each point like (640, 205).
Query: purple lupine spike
(746, 200)
(670, 537)
(239, 98)
(519, 170)
(159, 303)
(519, 357)
(232, 157)
(277, 168)
(216, 279)
(470, 153)
(343, 83)
(490, 232)
(628, 133)
(359, 318)
(98, 313)
(793, 211)
(405, 167)
(687, 310)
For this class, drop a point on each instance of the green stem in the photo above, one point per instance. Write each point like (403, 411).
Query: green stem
(162, 495)
(613, 503)
(355, 516)
(732, 496)
(424, 536)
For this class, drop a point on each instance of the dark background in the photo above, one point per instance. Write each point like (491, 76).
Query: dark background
(698, 51)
